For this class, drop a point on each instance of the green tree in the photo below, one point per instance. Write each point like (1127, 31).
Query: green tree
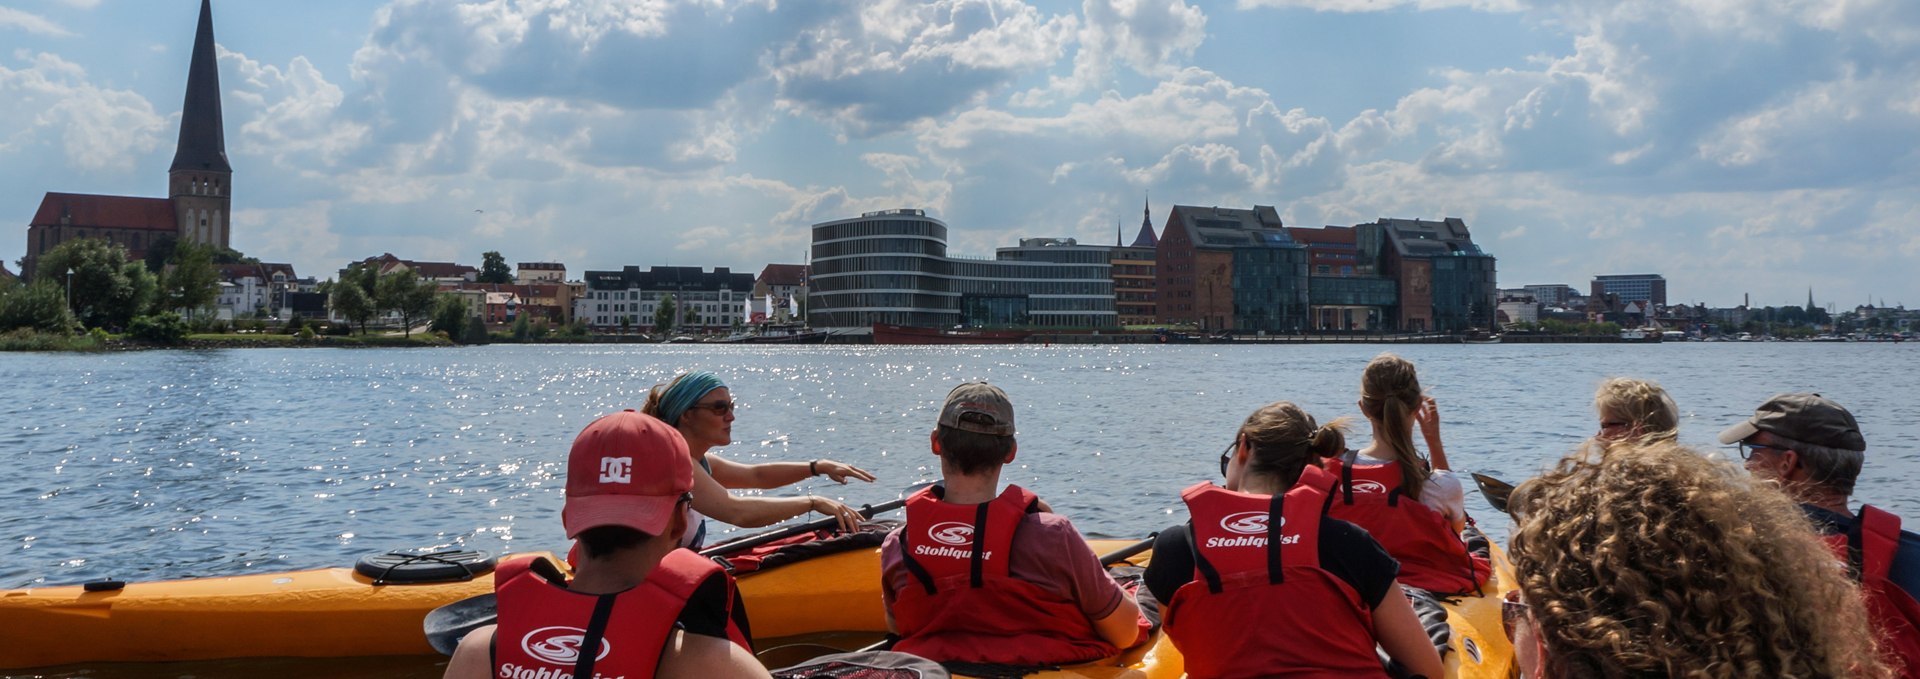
(626, 324)
(41, 306)
(521, 328)
(493, 268)
(191, 282)
(663, 316)
(450, 316)
(403, 293)
(476, 331)
(351, 301)
(102, 293)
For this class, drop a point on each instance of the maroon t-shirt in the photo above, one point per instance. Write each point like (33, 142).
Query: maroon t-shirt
(1047, 551)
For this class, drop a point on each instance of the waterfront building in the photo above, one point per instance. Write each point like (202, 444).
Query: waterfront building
(199, 203)
(1194, 260)
(529, 273)
(777, 292)
(703, 301)
(1552, 294)
(549, 299)
(892, 266)
(1346, 290)
(1516, 309)
(1447, 283)
(444, 274)
(1135, 295)
(1640, 287)
(255, 290)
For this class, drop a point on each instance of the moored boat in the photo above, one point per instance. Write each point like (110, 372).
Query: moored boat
(884, 333)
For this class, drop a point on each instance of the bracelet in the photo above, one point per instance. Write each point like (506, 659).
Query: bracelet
(813, 468)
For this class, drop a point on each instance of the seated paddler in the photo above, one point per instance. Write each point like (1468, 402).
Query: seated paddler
(637, 605)
(988, 576)
(1262, 582)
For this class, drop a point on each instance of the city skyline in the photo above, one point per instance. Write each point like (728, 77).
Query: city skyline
(1736, 148)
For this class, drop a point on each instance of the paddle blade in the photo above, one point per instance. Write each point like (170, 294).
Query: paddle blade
(447, 625)
(1496, 491)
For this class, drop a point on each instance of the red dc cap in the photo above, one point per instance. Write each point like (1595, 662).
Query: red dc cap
(626, 469)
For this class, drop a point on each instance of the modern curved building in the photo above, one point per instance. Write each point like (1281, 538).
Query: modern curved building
(892, 267)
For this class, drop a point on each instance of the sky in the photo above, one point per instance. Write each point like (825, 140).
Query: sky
(1763, 148)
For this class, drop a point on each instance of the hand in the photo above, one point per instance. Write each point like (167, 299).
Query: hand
(841, 471)
(1428, 417)
(849, 517)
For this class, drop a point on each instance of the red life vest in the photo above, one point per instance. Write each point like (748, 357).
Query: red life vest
(1258, 606)
(1868, 550)
(1432, 556)
(964, 605)
(545, 629)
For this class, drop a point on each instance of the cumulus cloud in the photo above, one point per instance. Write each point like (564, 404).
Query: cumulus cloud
(1385, 5)
(1150, 37)
(97, 128)
(31, 23)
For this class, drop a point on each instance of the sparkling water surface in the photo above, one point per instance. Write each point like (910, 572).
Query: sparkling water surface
(173, 464)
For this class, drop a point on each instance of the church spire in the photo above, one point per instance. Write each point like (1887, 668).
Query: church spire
(1146, 239)
(1810, 306)
(203, 141)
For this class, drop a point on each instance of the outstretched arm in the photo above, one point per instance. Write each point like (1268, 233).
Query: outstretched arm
(711, 499)
(776, 474)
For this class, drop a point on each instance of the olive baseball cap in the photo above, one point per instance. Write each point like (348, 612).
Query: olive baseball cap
(983, 399)
(1807, 418)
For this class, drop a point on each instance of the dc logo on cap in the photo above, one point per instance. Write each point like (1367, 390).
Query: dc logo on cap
(560, 645)
(951, 533)
(1247, 523)
(1369, 487)
(616, 470)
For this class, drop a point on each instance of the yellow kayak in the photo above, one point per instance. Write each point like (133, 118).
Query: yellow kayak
(336, 612)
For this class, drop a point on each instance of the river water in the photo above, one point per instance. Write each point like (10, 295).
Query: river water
(171, 464)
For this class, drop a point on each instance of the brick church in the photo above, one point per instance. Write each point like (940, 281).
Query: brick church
(199, 204)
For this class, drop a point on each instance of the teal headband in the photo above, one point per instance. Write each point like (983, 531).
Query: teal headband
(683, 392)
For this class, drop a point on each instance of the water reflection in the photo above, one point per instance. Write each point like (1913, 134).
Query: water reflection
(177, 464)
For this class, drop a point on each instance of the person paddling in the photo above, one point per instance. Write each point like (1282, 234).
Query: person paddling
(978, 575)
(1261, 582)
(636, 606)
(1424, 534)
(701, 407)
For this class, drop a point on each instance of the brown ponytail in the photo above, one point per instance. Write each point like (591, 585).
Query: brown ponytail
(652, 406)
(1284, 439)
(1389, 395)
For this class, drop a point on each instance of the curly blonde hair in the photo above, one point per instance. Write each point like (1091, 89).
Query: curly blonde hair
(1656, 561)
(1641, 404)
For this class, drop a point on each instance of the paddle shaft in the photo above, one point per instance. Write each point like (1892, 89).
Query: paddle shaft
(866, 512)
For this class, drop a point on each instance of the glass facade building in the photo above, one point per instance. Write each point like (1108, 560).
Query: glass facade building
(1270, 288)
(892, 267)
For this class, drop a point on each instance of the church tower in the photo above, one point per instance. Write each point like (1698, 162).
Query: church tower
(200, 183)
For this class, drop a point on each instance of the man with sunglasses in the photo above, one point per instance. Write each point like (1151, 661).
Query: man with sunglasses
(1812, 448)
(636, 605)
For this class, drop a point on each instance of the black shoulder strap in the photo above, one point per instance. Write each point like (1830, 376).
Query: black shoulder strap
(976, 562)
(919, 572)
(1200, 563)
(1276, 513)
(1346, 475)
(596, 632)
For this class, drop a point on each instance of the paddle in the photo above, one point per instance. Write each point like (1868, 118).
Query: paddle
(447, 625)
(1496, 491)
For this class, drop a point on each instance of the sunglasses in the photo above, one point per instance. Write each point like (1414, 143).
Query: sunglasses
(1512, 609)
(1747, 449)
(1227, 456)
(719, 408)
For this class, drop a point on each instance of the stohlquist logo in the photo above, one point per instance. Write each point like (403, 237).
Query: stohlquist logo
(951, 533)
(1369, 487)
(560, 645)
(1247, 523)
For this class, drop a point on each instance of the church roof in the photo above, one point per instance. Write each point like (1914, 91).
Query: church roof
(6, 275)
(95, 211)
(784, 274)
(203, 141)
(1146, 239)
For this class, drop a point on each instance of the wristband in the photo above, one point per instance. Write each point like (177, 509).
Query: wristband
(813, 468)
